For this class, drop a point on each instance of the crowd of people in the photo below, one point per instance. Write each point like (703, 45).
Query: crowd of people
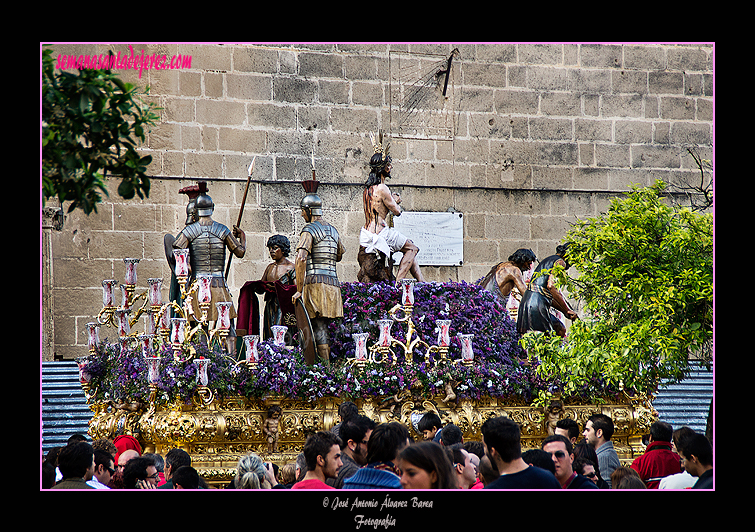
(359, 453)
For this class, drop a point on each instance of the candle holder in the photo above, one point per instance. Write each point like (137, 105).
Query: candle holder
(279, 334)
(122, 319)
(407, 292)
(177, 337)
(129, 285)
(84, 376)
(467, 354)
(153, 378)
(223, 322)
(360, 353)
(106, 316)
(147, 341)
(411, 341)
(153, 369)
(205, 394)
(251, 342)
(93, 336)
(182, 268)
(155, 297)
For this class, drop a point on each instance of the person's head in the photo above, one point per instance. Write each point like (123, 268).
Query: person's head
(279, 243)
(464, 468)
(204, 205)
(104, 466)
(586, 468)
(569, 428)
(174, 459)
(139, 470)
(425, 465)
(679, 435)
(697, 454)
(539, 458)
(158, 460)
(502, 438)
(323, 453)
(250, 472)
(630, 482)
(128, 445)
(76, 438)
(450, 434)
(347, 410)
(124, 458)
(301, 466)
(488, 472)
(107, 445)
(562, 251)
(311, 207)
(288, 473)
(185, 478)
(523, 259)
(76, 460)
(355, 434)
(620, 472)
(386, 442)
(598, 429)
(661, 431)
(562, 454)
(380, 161)
(429, 424)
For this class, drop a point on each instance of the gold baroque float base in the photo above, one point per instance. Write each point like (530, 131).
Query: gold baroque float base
(217, 433)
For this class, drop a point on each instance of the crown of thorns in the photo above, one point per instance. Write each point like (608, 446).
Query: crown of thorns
(381, 146)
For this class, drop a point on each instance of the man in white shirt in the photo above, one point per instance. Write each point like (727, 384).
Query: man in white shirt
(104, 468)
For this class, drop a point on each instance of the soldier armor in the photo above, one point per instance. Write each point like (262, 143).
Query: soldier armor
(321, 261)
(207, 247)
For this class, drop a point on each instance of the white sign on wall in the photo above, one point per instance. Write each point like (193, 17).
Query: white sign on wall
(438, 235)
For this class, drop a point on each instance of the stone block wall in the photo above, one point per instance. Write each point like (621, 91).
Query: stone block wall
(528, 138)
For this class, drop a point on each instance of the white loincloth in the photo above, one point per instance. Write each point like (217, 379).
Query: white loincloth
(387, 241)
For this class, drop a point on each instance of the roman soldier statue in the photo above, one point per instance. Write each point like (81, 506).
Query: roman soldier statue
(318, 251)
(207, 241)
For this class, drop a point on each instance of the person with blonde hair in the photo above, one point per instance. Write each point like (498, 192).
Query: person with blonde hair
(252, 473)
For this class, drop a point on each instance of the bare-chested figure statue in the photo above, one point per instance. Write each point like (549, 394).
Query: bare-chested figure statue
(505, 276)
(376, 236)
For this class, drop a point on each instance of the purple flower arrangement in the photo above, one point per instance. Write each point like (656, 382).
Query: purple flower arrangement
(498, 370)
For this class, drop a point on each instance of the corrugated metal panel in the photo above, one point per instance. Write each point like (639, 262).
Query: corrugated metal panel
(64, 407)
(686, 403)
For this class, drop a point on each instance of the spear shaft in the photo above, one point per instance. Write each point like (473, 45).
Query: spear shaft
(241, 212)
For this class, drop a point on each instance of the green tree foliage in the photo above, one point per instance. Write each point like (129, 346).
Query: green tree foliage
(91, 126)
(645, 277)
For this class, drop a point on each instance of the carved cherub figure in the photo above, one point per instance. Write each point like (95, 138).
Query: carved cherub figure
(270, 428)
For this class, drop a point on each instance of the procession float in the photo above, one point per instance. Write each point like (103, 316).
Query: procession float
(173, 374)
(400, 351)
